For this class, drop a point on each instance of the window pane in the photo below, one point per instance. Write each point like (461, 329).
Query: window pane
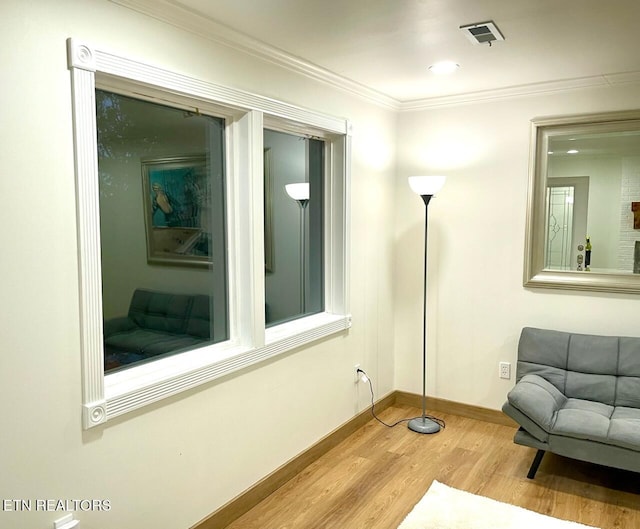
(294, 280)
(162, 227)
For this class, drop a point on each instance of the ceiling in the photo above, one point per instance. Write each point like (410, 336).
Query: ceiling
(386, 46)
(607, 143)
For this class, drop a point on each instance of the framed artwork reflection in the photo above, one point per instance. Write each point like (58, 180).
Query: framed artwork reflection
(177, 210)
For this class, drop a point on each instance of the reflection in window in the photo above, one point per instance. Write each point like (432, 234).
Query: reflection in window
(294, 282)
(162, 228)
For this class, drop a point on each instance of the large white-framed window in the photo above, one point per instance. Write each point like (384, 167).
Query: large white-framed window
(248, 339)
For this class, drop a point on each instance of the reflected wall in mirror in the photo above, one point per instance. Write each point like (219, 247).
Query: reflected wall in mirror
(584, 177)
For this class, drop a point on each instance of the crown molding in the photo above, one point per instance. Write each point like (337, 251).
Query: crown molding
(199, 24)
(506, 93)
(176, 14)
(622, 78)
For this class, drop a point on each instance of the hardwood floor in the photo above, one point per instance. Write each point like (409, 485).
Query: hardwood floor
(375, 477)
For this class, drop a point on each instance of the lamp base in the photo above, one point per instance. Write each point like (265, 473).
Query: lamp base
(423, 425)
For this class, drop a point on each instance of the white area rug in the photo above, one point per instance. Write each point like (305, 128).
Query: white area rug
(443, 507)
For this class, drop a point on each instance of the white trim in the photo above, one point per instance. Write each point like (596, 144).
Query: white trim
(510, 92)
(86, 168)
(80, 56)
(117, 66)
(206, 27)
(105, 397)
(339, 228)
(245, 215)
(198, 24)
(505, 93)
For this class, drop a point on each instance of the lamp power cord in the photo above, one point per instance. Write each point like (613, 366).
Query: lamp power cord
(367, 379)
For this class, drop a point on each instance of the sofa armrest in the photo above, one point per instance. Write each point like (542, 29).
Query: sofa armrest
(117, 325)
(537, 399)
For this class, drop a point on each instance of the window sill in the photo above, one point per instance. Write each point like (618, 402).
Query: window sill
(299, 332)
(134, 388)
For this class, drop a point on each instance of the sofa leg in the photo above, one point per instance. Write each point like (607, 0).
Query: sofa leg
(535, 464)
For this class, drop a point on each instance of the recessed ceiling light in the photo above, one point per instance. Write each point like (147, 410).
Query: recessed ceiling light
(444, 67)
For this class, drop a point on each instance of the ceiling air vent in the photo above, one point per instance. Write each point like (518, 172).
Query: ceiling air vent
(482, 32)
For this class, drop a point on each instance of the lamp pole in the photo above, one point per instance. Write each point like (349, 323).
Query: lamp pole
(300, 193)
(303, 268)
(425, 186)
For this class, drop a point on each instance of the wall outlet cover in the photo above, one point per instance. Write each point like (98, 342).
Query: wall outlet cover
(504, 370)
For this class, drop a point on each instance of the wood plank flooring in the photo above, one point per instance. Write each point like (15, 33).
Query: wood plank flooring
(375, 477)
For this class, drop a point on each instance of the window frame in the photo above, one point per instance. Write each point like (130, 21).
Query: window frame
(107, 396)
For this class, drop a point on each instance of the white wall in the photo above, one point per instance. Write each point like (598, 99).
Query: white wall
(477, 304)
(172, 463)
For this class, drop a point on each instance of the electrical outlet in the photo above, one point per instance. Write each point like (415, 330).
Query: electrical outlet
(356, 375)
(504, 370)
(66, 522)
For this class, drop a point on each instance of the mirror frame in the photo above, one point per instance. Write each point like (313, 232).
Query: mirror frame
(534, 273)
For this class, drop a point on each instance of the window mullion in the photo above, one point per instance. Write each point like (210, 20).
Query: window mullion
(248, 220)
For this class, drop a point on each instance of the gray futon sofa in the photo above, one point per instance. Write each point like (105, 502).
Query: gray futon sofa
(578, 396)
(157, 323)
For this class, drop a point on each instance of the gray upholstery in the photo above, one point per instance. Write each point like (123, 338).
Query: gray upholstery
(199, 320)
(157, 323)
(579, 396)
(539, 400)
(160, 311)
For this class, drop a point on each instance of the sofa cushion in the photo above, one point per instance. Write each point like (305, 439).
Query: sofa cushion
(582, 366)
(199, 321)
(628, 391)
(584, 419)
(531, 427)
(538, 399)
(589, 386)
(592, 354)
(543, 352)
(150, 343)
(624, 429)
(160, 311)
(158, 323)
(592, 365)
(116, 325)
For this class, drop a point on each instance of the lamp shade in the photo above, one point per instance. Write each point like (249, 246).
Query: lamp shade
(426, 185)
(298, 191)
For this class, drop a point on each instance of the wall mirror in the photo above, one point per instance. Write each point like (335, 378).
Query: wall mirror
(583, 214)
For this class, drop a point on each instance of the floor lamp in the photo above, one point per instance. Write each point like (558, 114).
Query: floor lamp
(300, 193)
(426, 187)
